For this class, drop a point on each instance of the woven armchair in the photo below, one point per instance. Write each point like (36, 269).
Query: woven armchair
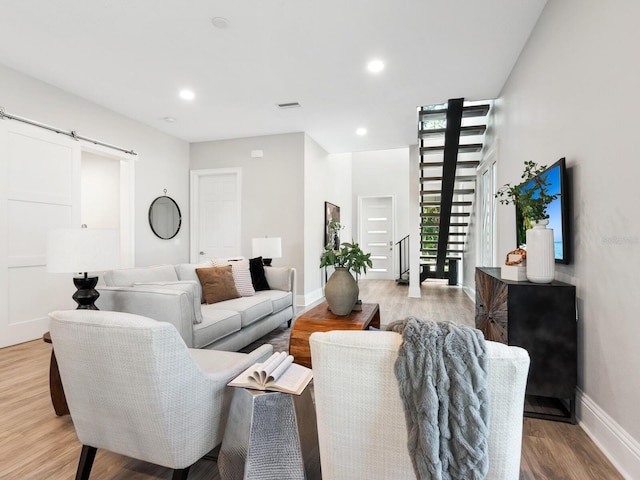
(134, 388)
(362, 432)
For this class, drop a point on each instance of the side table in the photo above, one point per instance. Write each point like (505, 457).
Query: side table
(270, 436)
(321, 319)
(56, 390)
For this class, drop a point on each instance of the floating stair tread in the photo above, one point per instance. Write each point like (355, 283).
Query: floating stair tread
(460, 163)
(464, 131)
(464, 148)
(435, 250)
(467, 112)
(458, 178)
(453, 214)
(456, 203)
(459, 191)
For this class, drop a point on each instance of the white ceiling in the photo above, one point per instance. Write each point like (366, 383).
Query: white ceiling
(133, 56)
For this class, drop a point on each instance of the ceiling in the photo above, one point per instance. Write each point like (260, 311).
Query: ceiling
(134, 56)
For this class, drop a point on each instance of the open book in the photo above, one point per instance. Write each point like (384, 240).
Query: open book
(278, 373)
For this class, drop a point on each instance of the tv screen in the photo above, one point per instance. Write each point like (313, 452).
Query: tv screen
(558, 211)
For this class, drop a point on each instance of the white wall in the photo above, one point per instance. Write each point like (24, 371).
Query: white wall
(327, 178)
(163, 160)
(573, 94)
(272, 190)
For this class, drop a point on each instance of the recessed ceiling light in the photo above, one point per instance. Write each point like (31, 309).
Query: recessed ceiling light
(220, 22)
(169, 119)
(375, 66)
(187, 94)
(361, 131)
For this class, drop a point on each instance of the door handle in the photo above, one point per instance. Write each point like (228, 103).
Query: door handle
(202, 253)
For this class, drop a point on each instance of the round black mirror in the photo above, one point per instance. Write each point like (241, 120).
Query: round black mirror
(164, 217)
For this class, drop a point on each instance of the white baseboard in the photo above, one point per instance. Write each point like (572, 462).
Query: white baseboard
(620, 448)
(471, 292)
(303, 302)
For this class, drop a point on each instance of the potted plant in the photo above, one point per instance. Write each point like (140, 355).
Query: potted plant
(341, 290)
(531, 198)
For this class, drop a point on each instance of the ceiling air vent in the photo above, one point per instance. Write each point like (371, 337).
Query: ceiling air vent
(289, 105)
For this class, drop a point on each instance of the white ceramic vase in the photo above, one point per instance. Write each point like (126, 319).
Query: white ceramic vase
(341, 291)
(541, 262)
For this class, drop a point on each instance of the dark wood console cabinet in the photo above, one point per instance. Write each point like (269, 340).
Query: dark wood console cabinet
(541, 318)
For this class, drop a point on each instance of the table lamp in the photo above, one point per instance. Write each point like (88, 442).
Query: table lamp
(83, 250)
(267, 248)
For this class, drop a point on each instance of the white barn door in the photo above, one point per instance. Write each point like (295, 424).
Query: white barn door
(39, 191)
(376, 227)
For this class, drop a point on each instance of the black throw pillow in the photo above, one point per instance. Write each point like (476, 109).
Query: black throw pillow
(258, 278)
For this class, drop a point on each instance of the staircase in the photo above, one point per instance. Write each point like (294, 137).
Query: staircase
(451, 139)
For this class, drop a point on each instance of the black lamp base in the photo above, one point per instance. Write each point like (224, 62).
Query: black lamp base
(86, 295)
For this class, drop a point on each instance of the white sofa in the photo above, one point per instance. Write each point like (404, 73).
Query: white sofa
(172, 293)
(362, 432)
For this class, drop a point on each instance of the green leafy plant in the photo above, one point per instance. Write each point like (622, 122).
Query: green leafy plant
(531, 196)
(349, 255)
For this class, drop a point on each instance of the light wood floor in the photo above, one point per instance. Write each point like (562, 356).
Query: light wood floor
(36, 444)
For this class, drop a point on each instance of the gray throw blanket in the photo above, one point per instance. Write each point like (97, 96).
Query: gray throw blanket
(442, 373)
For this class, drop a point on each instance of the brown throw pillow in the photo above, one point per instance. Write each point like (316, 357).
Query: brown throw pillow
(217, 284)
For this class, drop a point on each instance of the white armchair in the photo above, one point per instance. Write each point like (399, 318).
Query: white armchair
(361, 423)
(134, 388)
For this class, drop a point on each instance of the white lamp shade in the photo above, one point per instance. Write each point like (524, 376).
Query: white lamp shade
(267, 247)
(74, 250)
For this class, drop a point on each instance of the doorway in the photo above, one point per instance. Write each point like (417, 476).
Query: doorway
(41, 190)
(216, 214)
(376, 226)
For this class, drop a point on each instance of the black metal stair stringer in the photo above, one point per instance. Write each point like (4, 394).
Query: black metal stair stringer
(451, 146)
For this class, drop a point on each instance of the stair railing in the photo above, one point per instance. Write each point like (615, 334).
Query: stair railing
(403, 257)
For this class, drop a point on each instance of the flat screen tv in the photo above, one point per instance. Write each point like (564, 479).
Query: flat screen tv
(558, 211)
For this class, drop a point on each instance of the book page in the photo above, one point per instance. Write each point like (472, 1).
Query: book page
(261, 371)
(280, 369)
(293, 380)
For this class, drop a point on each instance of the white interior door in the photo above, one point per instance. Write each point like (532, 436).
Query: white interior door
(216, 214)
(39, 191)
(377, 227)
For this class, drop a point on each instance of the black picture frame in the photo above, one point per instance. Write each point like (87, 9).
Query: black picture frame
(331, 212)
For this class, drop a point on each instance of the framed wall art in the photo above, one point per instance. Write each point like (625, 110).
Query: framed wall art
(331, 213)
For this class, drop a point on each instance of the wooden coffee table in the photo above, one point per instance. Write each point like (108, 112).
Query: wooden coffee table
(320, 319)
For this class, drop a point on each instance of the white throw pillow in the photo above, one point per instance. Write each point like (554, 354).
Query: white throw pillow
(241, 274)
(192, 287)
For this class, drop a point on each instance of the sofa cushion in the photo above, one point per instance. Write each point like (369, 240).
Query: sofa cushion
(251, 309)
(126, 277)
(187, 271)
(258, 278)
(192, 287)
(217, 284)
(279, 278)
(241, 274)
(216, 324)
(279, 299)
